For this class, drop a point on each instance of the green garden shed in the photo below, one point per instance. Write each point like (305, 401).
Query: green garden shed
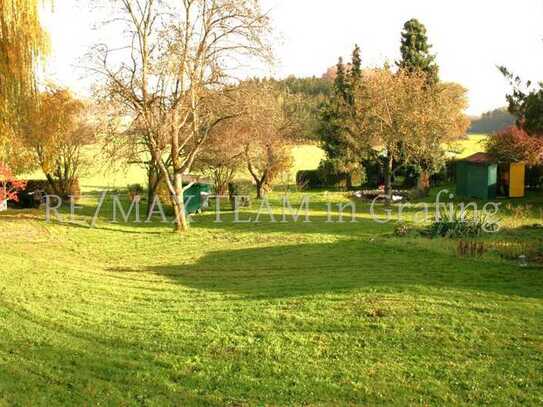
(477, 177)
(196, 197)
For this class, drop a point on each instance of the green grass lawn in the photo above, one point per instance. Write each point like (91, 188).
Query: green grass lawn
(262, 314)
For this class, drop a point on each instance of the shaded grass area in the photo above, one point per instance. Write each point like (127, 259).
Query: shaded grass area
(261, 314)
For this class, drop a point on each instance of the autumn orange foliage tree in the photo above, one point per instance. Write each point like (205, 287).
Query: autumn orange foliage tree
(514, 144)
(22, 43)
(9, 186)
(57, 130)
(398, 114)
(268, 129)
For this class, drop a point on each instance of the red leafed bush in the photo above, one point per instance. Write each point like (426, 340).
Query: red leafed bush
(513, 144)
(9, 186)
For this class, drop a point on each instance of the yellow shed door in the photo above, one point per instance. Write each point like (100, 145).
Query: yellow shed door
(516, 180)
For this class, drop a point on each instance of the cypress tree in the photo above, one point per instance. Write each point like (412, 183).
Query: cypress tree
(356, 69)
(333, 116)
(340, 83)
(415, 51)
(355, 75)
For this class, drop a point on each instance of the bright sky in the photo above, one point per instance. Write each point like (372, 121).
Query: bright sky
(470, 38)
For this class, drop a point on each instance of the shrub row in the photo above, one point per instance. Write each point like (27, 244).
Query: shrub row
(33, 195)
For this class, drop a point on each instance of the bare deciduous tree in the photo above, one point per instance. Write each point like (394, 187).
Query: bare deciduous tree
(268, 128)
(222, 155)
(172, 72)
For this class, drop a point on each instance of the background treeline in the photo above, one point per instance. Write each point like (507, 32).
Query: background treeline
(491, 122)
(312, 93)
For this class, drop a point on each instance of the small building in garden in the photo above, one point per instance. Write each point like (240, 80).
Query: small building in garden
(481, 176)
(517, 179)
(196, 197)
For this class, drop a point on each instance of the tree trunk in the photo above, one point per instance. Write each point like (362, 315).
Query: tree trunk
(181, 224)
(222, 176)
(349, 181)
(221, 182)
(388, 177)
(150, 191)
(423, 185)
(221, 189)
(153, 182)
(259, 189)
(55, 186)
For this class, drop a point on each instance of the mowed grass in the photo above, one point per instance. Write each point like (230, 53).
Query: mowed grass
(320, 313)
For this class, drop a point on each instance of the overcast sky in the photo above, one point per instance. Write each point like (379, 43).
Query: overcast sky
(469, 37)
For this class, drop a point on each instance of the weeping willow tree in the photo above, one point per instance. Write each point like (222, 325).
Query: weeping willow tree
(23, 42)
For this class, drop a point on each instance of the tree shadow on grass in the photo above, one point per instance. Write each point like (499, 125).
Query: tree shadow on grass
(310, 269)
(319, 224)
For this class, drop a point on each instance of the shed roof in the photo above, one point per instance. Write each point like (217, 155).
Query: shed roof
(480, 158)
(189, 178)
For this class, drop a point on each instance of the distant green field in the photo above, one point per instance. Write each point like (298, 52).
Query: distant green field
(306, 157)
(473, 144)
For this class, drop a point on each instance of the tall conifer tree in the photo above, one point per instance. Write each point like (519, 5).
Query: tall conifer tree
(415, 51)
(356, 69)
